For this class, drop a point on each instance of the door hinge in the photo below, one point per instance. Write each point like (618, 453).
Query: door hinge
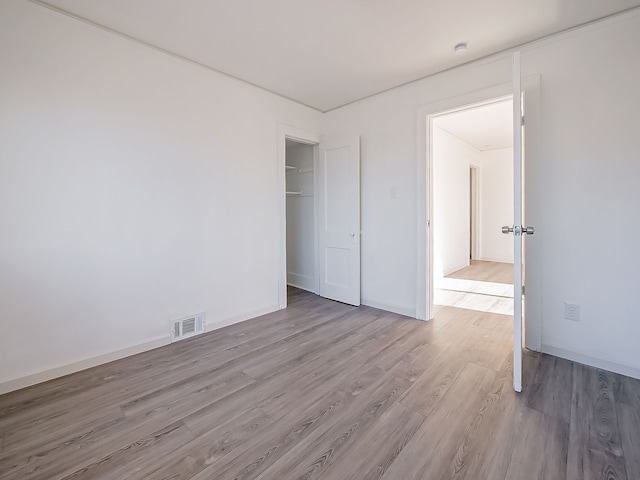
(522, 289)
(522, 120)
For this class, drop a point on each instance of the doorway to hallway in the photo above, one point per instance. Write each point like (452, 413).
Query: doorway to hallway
(472, 152)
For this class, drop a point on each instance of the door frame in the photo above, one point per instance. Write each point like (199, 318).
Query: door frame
(309, 138)
(424, 169)
(474, 212)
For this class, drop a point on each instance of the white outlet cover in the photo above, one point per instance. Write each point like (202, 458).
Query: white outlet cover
(572, 312)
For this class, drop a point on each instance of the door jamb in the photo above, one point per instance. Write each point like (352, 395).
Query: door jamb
(301, 136)
(474, 212)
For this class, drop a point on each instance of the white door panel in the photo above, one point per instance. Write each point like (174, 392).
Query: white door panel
(517, 223)
(339, 199)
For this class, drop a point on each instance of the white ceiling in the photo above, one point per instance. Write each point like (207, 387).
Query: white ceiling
(488, 127)
(328, 53)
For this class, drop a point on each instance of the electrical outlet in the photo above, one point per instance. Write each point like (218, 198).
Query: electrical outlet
(572, 312)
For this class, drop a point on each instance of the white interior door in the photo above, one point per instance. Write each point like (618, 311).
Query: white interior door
(339, 219)
(517, 221)
(518, 230)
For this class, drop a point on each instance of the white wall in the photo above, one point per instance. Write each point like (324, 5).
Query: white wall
(301, 271)
(496, 204)
(584, 177)
(134, 188)
(451, 161)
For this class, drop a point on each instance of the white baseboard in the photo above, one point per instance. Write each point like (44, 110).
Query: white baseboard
(406, 311)
(73, 367)
(160, 341)
(592, 360)
(451, 270)
(303, 282)
(497, 260)
(240, 318)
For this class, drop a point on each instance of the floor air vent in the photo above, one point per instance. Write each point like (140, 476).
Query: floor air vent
(187, 327)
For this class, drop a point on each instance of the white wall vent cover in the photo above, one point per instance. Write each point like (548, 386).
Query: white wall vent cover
(187, 327)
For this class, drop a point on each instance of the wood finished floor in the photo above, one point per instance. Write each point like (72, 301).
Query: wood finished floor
(486, 271)
(323, 390)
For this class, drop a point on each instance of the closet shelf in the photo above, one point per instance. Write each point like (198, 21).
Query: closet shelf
(291, 169)
(294, 193)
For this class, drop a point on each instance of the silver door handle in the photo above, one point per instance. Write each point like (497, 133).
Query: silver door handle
(518, 230)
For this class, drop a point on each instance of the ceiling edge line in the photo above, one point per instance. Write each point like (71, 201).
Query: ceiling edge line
(177, 56)
(500, 55)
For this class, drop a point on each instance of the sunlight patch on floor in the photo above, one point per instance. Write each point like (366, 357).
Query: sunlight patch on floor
(475, 295)
(475, 286)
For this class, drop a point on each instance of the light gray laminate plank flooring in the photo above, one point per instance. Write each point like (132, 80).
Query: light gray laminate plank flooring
(323, 390)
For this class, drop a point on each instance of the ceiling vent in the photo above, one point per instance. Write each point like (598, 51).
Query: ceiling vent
(187, 327)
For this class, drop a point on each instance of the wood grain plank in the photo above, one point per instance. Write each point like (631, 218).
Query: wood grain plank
(315, 406)
(293, 427)
(550, 392)
(629, 421)
(438, 377)
(627, 390)
(312, 456)
(540, 449)
(595, 447)
(379, 446)
(195, 456)
(441, 432)
(135, 456)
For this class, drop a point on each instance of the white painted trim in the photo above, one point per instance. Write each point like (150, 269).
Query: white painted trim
(302, 136)
(83, 364)
(593, 360)
(495, 260)
(491, 58)
(241, 318)
(408, 312)
(302, 281)
(506, 54)
(451, 270)
(517, 220)
(137, 42)
(89, 362)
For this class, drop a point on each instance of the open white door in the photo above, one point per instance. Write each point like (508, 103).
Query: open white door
(517, 229)
(339, 220)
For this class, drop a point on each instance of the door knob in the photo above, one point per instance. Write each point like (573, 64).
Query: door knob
(518, 230)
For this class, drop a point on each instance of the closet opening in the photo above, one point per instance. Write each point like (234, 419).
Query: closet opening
(300, 215)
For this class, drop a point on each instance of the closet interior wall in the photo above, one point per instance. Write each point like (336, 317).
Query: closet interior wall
(300, 216)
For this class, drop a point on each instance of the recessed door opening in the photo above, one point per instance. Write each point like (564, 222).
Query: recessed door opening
(472, 165)
(300, 216)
